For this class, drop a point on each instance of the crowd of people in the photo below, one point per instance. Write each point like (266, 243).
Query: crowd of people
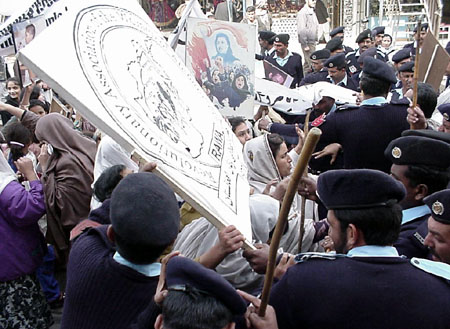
(373, 250)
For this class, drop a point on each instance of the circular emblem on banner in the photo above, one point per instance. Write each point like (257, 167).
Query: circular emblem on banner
(396, 152)
(437, 208)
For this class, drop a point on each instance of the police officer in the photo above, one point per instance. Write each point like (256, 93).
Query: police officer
(364, 41)
(288, 61)
(423, 32)
(320, 73)
(406, 76)
(364, 132)
(338, 32)
(371, 52)
(337, 72)
(445, 111)
(401, 57)
(421, 165)
(266, 39)
(438, 238)
(377, 35)
(366, 284)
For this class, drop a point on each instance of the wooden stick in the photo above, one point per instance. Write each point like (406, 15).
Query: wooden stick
(305, 155)
(303, 205)
(416, 68)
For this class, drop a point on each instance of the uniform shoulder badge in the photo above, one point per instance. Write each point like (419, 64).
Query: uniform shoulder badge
(439, 269)
(352, 69)
(319, 120)
(303, 257)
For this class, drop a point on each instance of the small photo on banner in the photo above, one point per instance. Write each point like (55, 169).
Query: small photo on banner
(277, 75)
(221, 55)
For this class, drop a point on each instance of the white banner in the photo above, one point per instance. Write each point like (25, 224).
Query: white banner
(121, 74)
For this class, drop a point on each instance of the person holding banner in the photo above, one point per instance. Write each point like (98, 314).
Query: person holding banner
(366, 284)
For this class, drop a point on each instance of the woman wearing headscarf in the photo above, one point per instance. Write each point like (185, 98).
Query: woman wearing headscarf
(223, 49)
(268, 162)
(67, 163)
(239, 91)
(22, 302)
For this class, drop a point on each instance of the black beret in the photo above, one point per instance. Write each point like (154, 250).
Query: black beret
(439, 204)
(144, 211)
(183, 274)
(445, 110)
(415, 150)
(320, 54)
(379, 70)
(377, 30)
(401, 55)
(364, 35)
(336, 61)
(358, 189)
(439, 135)
(407, 67)
(339, 29)
(334, 44)
(283, 38)
(266, 35)
(371, 52)
(423, 27)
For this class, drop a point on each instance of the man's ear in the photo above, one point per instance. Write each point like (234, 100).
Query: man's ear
(421, 192)
(111, 234)
(159, 323)
(354, 236)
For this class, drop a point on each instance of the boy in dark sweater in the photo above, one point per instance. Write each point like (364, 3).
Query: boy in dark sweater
(112, 272)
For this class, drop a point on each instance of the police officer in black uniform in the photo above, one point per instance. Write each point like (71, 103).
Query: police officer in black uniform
(335, 46)
(338, 32)
(423, 33)
(366, 284)
(364, 41)
(320, 73)
(337, 72)
(421, 164)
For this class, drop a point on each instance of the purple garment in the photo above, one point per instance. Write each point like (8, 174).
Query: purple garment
(21, 242)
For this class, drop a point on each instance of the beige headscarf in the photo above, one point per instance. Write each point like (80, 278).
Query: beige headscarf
(68, 177)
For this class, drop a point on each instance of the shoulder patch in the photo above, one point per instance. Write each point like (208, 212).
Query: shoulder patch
(319, 120)
(439, 269)
(303, 257)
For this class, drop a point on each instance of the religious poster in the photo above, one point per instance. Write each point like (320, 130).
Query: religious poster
(121, 74)
(276, 74)
(221, 56)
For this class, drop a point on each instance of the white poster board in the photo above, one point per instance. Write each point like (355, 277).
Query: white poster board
(221, 55)
(121, 74)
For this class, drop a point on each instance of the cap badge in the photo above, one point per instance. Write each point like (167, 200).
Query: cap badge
(330, 64)
(438, 208)
(313, 56)
(277, 39)
(396, 152)
(446, 117)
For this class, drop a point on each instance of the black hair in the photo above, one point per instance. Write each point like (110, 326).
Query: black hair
(379, 225)
(194, 310)
(250, 9)
(236, 122)
(35, 92)
(37, 102)
(426, 98)
(107, 182)
(14, 80)
(374, 87)
(275, 142)
(17, 133)
(435, 179)
(31, 29)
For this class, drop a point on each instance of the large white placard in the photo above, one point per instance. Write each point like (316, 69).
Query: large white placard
(109, 60)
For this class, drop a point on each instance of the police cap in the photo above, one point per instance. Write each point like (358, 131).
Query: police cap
(415, 150)
(186, 275)
(339, 29)
(336, 61)
(379, 70)
(445, 111)
(423, 27)
(358, 189)
(407, 67)
(320, 54)
(283, 38)
(371, 52)
(439, 135)
(334, 44)
(401, 55)
(266, 35)
(366, 34)
(377, 30)
(439, 204)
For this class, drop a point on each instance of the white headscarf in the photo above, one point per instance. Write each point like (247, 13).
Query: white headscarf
(6, 173)
(109, 154)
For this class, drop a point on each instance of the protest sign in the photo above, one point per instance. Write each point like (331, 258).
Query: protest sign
(46, 9)
(298, 101)
(276, 74)
(433, 61)
(121, 74)
(221, 55)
